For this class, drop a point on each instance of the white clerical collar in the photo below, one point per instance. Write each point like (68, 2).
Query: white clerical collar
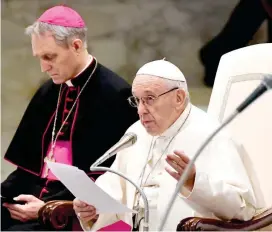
(69, 82)
(173, 129)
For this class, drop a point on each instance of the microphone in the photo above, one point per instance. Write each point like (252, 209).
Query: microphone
(126, 141)
(145, 200)
(263, 87)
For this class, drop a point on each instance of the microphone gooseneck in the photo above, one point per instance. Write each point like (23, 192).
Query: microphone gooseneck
(265, 85)
(126, 141)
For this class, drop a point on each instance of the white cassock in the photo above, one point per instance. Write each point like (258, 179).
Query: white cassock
(222, 188)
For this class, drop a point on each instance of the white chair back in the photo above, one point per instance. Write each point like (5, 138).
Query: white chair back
(239, 73)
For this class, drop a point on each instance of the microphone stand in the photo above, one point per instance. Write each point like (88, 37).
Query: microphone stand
(188, 168)
(146, 209)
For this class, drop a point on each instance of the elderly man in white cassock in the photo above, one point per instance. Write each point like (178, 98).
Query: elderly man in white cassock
(169, 132)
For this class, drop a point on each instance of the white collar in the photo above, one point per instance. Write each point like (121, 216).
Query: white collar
(69, 83)
(173, 129)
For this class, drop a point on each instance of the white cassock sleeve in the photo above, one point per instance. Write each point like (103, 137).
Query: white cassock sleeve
(222, 185)
(115, 187)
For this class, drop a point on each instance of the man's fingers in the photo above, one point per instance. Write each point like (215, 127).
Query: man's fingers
(88, 208)
(84, 209)
(15, 207)
(174, 165)
(25, 197)
(78, 203)
(176, 161)
(182, 155)
(17, 215)
(13, 216)
(87, 219)
(88, 214)
(172, 173)
(6, 205)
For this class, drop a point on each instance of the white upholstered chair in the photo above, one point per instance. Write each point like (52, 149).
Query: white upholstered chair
(239, 73)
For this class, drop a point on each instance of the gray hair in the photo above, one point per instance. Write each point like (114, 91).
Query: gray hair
(62, 35)
(181, 85)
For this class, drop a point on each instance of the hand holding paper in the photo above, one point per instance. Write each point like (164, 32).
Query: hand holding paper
(83, 188)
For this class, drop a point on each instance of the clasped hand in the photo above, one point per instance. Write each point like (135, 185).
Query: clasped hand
(26, 212)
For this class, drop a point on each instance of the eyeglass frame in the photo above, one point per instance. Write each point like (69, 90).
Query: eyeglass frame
(144, 101)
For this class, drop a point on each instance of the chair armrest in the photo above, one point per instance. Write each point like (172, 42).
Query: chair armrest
(57, 214)
(206, 224)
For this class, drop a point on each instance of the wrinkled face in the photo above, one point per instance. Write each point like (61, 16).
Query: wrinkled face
(59, 62)
(163, 110)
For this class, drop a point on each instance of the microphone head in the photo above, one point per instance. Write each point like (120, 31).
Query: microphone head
(268, 81)
(132, 137)
(126, 141)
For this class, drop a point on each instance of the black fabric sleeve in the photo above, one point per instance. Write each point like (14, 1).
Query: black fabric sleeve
(18, 182)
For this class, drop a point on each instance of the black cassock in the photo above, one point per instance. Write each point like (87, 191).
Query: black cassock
(99, 119)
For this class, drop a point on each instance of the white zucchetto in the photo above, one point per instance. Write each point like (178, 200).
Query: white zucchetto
(163, 69)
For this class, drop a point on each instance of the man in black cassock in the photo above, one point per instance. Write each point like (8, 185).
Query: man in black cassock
(73, 118)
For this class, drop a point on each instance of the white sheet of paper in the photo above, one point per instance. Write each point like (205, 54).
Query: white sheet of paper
(83, 188)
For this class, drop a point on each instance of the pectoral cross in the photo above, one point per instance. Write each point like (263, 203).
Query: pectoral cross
(51, 159)
(136, 208)
(136, 217)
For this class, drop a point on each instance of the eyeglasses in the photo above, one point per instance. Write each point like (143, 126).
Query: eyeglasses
(148, 100)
